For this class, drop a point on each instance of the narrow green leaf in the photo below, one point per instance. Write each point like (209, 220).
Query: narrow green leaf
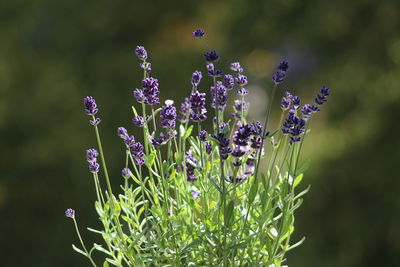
(253, 191)
(105, 264)
(229, 212)
(215, 185)
(188, 132)
(297, 244)
(181, 130)
(149, 160)
(79, 250)
(297, 180)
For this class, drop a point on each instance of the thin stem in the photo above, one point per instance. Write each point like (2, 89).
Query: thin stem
(83, 245)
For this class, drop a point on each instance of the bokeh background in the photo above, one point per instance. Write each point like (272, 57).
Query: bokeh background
(53, 53)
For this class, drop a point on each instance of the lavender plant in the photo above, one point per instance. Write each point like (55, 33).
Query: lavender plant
(224, 196)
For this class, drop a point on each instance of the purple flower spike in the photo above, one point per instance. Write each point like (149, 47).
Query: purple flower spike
(228, 81)
(168, 115)
(283, 66)
(208, 148)
(126, 173)
(151, 91)
(137, 153)
(219, 96)
(191, 162)
(141, 52)
(184, 111)
(139, 95)
(70, 213)
(322, 96)
(91, 155)
(203, 135)
(90, 105)
(122, 132)
(235, 67)
(198, 33)
(285, 103)
(296, 102)
(94, 167)
(196, 78)
(197, 106)
(241, 80)
(95, 121)
(243, 134)
(278, 77)
(308, 109)
(138, 121)
(242, 91)
(211, 56)
(294, 126)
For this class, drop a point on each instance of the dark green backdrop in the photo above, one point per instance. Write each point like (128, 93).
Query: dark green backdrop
(55, 52)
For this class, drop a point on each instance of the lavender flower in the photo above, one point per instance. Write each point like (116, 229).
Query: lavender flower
(308, 109)
(238, 152)
(197, 106)
(241, 80)
(235, 67)
(191, 162)
(228, 82)
(138, 121)
(168, 115)
(296, 102)
(151, 91)
(146, 66)
(203, 135)
(249, 168)
(122, 132)
(256, 142)
(136, 150)
(242, 92)
(196, 78)
(242, 135)
(278, 77)
(224, 148)
(91, 155)
(218, 95)
(211, 56)
(91, 158)
(161, 140)
(294, 126)
(239, 107)
(141, 52)
(208, 148)
(126, 173)
(285, 103)
(95, 121)
(139, 95)
(90, 105)
(198, 33)
(283, 66)
(184, 111)
(322, 96)
(70, 213)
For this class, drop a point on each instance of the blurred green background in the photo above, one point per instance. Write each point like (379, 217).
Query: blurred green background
(55, 52)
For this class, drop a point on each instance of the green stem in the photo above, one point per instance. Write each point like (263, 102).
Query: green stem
(83, 245)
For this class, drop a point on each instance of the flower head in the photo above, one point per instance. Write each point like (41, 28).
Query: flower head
(191, 163)
(141, 52)
(219, 96)
(138, 121)
(228, 81)
(139, 95)
(235, 67)
(198, 33)
(90, 105)
(126, 173)
(196, 78)
(197, 106)
(70, 213)
(168, 115)
(150, 91)
(283, 66)
(184, 111)
(203, 135)
(322, 96)
(211, 56)
(91, 158)
(241, 80)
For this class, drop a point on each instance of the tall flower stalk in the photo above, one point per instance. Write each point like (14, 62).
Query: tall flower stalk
(224, 196)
